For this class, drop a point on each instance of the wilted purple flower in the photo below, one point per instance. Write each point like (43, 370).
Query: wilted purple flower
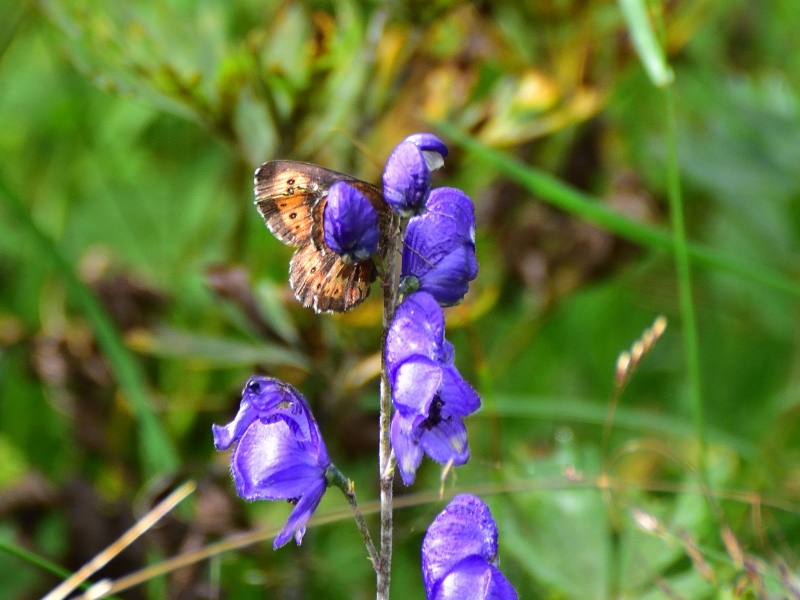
(459, 554)
(350, 223)
(439, 253)
(279, 454)
(407, 174)
(428, 392)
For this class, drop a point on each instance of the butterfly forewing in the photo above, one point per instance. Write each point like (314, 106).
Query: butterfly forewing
(286, 193)
(291, 197)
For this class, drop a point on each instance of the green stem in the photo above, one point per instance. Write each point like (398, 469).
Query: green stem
(336, 478)
(681, 251)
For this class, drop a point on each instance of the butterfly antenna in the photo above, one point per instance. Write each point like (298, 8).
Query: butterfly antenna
(360, 146)
(422, 258)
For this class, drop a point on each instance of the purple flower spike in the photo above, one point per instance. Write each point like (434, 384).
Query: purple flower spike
(428, 392)
(439, 252)
(407, 174)
(350, 223)
(459, 554)
(279, 454)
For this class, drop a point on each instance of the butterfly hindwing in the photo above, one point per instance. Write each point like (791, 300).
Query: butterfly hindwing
(326, 283)
(291, 197)
(346, 286)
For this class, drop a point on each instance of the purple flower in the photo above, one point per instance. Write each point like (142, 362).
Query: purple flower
(459, 554)
(429, 395)
(279, 454)
(350, 223)
(407, 174)
(439, 253)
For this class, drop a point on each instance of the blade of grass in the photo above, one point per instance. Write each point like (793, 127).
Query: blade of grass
(155, 448)
(33, 559)
(645, 42)
(590, 209)
(202, 351)
(690, 338)
(654, 61)
(589, 481)
(38, 561)
(585, 411)
(12, 17)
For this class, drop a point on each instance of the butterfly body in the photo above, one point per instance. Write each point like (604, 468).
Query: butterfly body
(291, 197)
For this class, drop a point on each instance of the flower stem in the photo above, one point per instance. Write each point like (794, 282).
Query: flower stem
(337, 478)
(390, 282)
(690, 337)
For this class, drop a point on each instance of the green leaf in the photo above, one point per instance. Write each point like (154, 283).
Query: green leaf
(562, 537)
(211, 352)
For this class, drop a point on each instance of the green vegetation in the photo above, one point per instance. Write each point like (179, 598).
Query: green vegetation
(627, 160)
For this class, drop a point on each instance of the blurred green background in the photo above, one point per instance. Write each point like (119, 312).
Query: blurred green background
(139, 288)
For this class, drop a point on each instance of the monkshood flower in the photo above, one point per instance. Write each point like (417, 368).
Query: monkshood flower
(350, 223)
(459, 554)
(279, 454)
(429, 395)
(407, 174)
(439, 250)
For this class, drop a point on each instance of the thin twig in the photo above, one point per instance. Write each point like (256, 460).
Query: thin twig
(589, 481)
(98, 562)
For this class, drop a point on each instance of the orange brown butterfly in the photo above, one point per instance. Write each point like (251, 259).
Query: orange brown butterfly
(291, 197)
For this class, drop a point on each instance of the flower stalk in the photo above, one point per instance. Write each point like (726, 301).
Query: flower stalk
(390, 283)
(336, 478)
(279, 453)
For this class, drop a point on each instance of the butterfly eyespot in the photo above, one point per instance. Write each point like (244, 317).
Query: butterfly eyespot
(293, 216)
(290, 190)
(319, 285)
(290, 182)
(313, 270)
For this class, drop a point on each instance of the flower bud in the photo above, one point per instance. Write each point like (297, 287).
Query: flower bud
(459, 554)
(350, 223)
(439, 247)
(407, 174)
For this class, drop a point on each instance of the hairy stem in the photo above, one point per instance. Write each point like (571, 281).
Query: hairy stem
(391, 277)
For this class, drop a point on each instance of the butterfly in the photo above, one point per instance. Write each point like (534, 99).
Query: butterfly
(291, 197)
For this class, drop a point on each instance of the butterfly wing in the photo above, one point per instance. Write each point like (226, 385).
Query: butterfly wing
(291, 197)
(326, 283)
(286, 194)
(375, 197)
